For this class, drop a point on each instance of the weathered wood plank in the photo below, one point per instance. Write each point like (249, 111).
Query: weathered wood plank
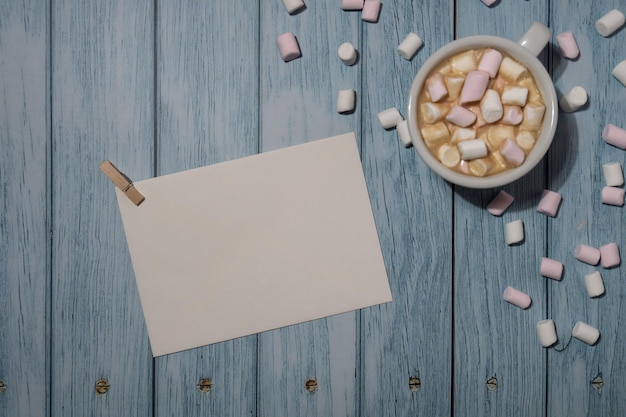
(576, 171)
(298, 102)
(24, 208)
(207, 112)
(409, 339)
(102, 108)
(493, 339)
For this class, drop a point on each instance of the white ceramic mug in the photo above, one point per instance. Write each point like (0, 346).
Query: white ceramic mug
(525, 51)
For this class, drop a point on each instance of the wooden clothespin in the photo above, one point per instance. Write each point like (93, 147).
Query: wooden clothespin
(122, 182)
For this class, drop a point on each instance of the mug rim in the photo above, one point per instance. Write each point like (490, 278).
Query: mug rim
(544, 84)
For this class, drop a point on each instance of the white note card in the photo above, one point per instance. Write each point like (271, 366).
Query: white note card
(254, 244)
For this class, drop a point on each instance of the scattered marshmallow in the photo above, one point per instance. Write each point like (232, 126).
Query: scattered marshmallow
(500, 203)
(514, 232)
(614, 135)
(514, 95)
(403, 133)
(573, 100)
(491, 106)
(613, 174)
(371, 11)
(472, 149)
(516, 297)
(594, 284)
(609, 255)
(613, 196)
(449, 155)
(460, 116)
(490, 62)
(610, 23)
(293, 6)
(549, 203)
(619, 72)
(546, 331)
(488, 2)
(513, 115)
(512, 153)
(474, 86)
(390, 118)
(511, 69)
(586, 333)
(347, 53)
(551, 268)
(567, 45)
(352, 4)
(346, 100)
(288, 46)
(587, 254)
(409, 46)
(436, 87)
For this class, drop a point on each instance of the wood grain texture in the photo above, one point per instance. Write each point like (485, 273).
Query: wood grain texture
(102, 108)
(24, 208)
(576, 161)
(207, 83)
(298, 104)
(411, 336)
(494, 339)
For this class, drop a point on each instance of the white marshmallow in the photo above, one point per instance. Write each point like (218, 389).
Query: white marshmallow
(594, 284)
(449, 155)
(514, 95)
(613, 175)
(346, 100)
(525, 140)
(389, 118)
(463, 133)
(472, 149)
(479, 167)
(464, 62)
(546, 331)
(511, 69)
(514, 232)
(454, 84)
(347, 53)
(491, 106)
(533, 116)
(573, 100)
(497, 134)
(619, 72)
(293, 6)
(610, 22)
(433, 112)
(435, 134)
(586, 333)
(403, 133)
(409, 46)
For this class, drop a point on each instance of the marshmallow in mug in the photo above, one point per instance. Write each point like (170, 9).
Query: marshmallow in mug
(485, 97)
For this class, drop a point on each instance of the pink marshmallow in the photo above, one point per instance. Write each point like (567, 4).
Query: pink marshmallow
(474, 86)
(288, 46)
(613, 196)
(516, 297)
(587, 254)
(436, 87)
(371, 10)
(609, 255)
(567, 45)
(488, 2)
(551, 268)
(614, 135)
(513, 115)
(549, 203)
(352, 4)
(500, 203)
(490, 62)
(513, 154)
(460, 116)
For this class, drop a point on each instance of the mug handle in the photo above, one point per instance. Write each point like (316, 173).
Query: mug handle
(536, 38)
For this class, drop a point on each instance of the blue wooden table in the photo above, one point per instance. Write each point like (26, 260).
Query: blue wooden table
(163, 86)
